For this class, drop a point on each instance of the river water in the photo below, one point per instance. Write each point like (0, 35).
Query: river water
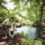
(30, 31)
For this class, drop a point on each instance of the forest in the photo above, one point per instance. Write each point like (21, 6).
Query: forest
(30, 13)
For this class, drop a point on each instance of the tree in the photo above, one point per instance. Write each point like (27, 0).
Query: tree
(3, 14)
(1, 5)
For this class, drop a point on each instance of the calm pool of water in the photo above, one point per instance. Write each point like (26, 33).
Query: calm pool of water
(31, 31)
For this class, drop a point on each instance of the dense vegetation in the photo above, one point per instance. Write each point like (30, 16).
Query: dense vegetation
(25, 11)
(29, 11)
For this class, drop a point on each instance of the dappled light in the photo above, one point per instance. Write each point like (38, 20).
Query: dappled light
(22, 22)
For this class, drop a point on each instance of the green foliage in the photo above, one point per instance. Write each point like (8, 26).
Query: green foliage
(32, 14)
(3, 14)
(15, 1)
(3, 1)
(22, 33)
(32, 42)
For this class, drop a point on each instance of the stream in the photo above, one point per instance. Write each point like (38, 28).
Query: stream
(30, 31)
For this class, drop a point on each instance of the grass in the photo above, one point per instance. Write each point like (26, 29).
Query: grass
(32, 42)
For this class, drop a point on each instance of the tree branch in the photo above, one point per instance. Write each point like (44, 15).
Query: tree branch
(5, 8)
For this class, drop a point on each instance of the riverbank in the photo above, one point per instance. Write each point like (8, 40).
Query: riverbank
(20, 41)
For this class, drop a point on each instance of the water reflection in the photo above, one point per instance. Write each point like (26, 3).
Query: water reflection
(31, 31)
